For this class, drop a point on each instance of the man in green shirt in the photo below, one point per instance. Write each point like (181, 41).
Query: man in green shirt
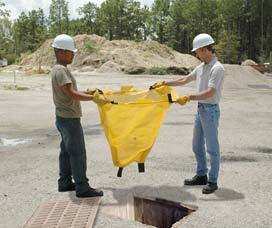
(72, 157)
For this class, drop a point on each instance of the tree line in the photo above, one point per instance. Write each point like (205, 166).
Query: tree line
(242, 28)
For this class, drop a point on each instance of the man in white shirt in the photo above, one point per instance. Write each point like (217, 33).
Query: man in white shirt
(209, 76)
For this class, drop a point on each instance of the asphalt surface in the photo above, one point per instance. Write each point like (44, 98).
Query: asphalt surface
(29, 171)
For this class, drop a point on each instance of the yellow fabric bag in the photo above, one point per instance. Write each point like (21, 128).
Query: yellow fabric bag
(132, 125)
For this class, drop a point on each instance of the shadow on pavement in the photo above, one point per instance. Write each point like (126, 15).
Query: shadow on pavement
(224, 194)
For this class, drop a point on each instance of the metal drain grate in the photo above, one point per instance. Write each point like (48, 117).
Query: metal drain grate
(79, 213)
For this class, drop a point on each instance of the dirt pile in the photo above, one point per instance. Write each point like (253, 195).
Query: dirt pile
(97, 53)
(248, 62)
(237, 76)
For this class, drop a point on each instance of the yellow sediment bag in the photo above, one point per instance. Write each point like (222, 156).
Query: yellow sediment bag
(132, 125)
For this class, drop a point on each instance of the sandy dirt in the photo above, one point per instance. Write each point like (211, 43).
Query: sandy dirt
(29, 171)
(95, 53)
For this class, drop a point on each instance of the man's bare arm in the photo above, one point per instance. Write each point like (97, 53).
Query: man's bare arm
(76, 95)
(179, 81)
(203, 95)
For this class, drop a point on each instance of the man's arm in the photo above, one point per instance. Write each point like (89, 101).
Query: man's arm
(203, 95)
(69, 90)
(179, 81)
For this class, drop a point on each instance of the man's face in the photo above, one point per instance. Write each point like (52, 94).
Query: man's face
(64, 56)
(69, 56)
(200, 53)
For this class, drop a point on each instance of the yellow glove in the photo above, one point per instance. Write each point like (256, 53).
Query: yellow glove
(183, 100)
(157, 85)
(92, 91)
(100, 99)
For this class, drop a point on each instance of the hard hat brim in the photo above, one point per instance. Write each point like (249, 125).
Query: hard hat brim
(74, 50)
(194, 49)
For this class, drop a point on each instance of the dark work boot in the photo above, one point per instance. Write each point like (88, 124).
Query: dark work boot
(70, 187)
(91, 192)
(210, 188)
(196, 180)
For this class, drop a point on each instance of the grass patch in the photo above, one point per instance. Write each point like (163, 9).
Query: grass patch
(15, 87)
(90, 45)
(156, 70)
(135, 70)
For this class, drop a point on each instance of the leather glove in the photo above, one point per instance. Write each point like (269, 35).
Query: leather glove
(100, 99)
(92, 91)
(183, 100)
(157, 85)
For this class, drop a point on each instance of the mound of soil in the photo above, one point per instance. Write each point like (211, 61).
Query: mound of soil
(97, 53)
(237, 76)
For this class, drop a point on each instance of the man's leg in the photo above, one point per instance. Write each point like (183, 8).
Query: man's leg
(199, 150)
(75, 145)
(73, 139)
(210, 127)
(65, 181)
(199, 146)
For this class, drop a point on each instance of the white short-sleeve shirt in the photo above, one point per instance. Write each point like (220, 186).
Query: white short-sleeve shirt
(210, 75)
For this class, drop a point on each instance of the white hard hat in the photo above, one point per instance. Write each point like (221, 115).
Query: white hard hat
(64, 42)
(202, 40)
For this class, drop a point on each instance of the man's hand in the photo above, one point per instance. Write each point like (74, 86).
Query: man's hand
(92, 91)
(157, 85)
(183, 100)
(100, 99)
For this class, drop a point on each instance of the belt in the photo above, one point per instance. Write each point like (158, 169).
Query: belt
(206, 104)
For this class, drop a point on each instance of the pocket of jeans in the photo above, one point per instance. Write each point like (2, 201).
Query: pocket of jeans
(215, 113)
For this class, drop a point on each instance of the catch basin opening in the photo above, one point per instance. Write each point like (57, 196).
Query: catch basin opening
(151, 211)
(159, 212)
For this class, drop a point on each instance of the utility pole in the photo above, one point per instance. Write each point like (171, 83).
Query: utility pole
(262, 48)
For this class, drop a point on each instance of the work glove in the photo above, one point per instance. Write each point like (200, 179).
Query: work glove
(183, 100)
(100, 99)
(92, 91)
(157, 85)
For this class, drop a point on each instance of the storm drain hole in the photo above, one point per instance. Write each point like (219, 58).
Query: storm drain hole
(150, 211)
(159, 212)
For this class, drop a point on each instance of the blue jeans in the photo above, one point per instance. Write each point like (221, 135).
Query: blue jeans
(72, 157)
(206, 132)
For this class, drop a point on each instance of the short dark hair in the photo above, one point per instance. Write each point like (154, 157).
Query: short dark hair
(210, 48)
(57, 50)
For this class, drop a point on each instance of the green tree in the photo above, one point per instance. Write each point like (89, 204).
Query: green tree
(5, 31)
(88, 11)
(135, 21)
(77, 26)
(3, 12)
(241, 28)
(58, 17)
(160, 17)
(7, 43)
(227, 47)
(30, 30)
(178, 34)
(122, 19)
(146, 18)
(251, 20)
(108, 19)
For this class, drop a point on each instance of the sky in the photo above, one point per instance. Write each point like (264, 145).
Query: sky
(18, 6)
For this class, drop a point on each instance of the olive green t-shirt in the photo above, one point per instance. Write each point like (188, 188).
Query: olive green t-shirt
(66, 107)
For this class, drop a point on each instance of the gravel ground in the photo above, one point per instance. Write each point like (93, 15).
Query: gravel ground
(29, 171)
